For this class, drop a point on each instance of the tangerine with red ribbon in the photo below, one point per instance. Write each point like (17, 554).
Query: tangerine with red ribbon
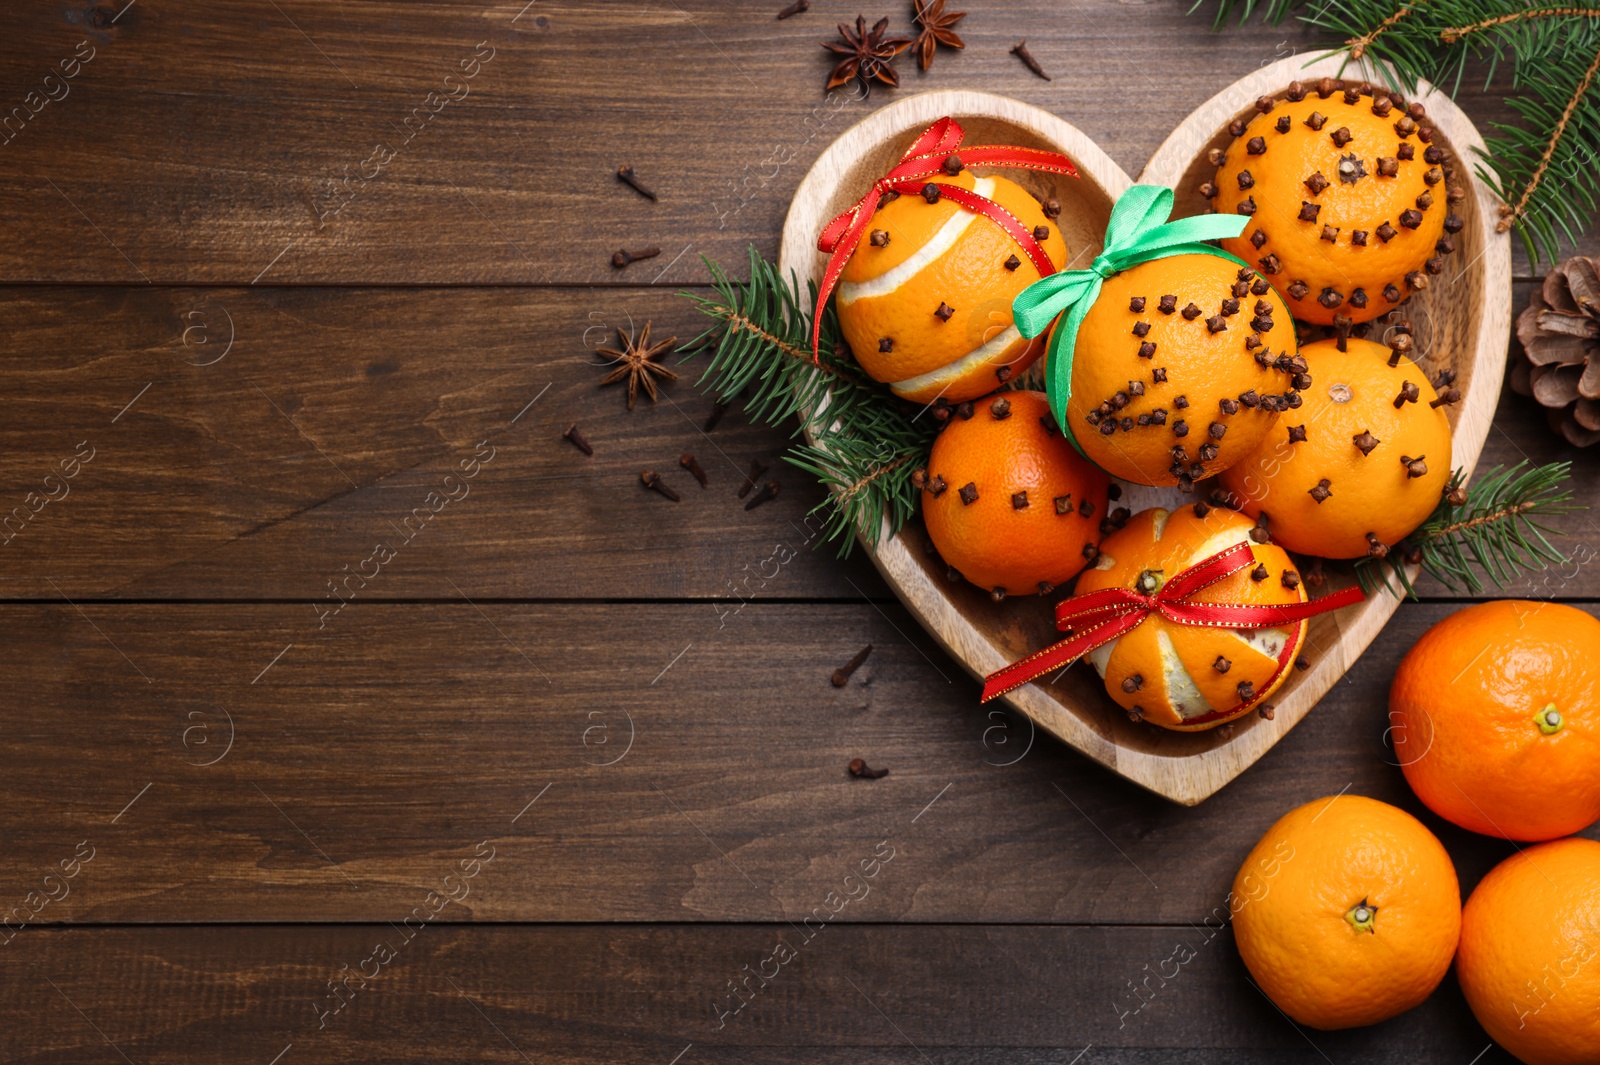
(925, 266)
(1169, 658)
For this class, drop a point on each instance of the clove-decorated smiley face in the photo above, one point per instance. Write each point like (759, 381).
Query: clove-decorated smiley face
(1349, 202)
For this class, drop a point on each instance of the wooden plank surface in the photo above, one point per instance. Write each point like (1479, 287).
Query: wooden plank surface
(264, 469)
(238, 349)
(591, 994)
(366, 757)
(137, 174)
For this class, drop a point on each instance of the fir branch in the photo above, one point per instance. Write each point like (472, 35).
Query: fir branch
(866, 442)
(1358, 45)
(871, 484)
(1510, 215)
(1455, 33)
(1499, 531)
(1274, 11)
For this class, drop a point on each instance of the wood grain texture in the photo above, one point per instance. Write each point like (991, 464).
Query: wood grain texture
(276, 467)
(138, 173)
(203, 489)
(955, 995)
(518, 642)
(1463, 323)
(369, 756)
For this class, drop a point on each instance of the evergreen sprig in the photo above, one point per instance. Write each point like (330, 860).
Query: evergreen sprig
(1545, 168)
(865, 442)
(1499, 531)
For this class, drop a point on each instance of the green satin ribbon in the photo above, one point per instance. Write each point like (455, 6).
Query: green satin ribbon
(1137, 233)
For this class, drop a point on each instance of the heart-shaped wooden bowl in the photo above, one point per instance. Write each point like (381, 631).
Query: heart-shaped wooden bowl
(1462, 322)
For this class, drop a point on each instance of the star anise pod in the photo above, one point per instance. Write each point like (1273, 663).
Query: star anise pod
(937, 28)
(636, 362)
(868, 54)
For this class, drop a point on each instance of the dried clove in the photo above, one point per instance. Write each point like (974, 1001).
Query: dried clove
(862, 771)
(718, 409)
(1022, 53)
(687, 461)
(626, 175)
(841, 676)
(766, 492)
(756, 470)
(577, 439)
(624, 257)
(652, 479)
(794, 9)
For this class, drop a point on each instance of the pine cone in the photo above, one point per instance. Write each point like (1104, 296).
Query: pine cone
(1560, 335)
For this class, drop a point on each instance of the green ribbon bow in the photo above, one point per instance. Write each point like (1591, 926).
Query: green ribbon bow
(1137, 233)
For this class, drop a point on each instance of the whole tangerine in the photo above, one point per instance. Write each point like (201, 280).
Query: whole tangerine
(1175, 373)
(1495, 715)
(1193, 677)
(1347, 912)
(1350, 210)
(1530, 953)
(925, 302)
(1008, 502)
(1365, 462)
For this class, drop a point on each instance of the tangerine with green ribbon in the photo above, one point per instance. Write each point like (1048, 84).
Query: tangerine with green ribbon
(1138, 232)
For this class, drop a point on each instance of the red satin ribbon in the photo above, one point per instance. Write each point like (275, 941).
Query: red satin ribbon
(1096, 618)
(925, 159)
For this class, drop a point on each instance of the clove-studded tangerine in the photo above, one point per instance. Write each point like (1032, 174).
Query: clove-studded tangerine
(1008, 503)
(1365, 460)
(925, 303)
(1180, 369)
(1352, 204)
(1193, 677)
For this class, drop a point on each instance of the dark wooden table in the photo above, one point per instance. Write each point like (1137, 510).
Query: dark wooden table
(550, 774)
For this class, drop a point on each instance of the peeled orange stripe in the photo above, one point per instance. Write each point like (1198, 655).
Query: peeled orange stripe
(942, 254)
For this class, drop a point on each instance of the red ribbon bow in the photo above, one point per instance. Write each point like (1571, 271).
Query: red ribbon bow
(923, 160)
(1101, 616)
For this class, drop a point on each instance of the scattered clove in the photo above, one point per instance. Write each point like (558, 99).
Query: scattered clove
(624, 257)
(1022, 53)
(841, 676)
(862, 771)
(794, 9)
(687, 461)
(756, 470)
(652, 479)
(766, 492)
(626, 175)
(718, 409)
(577, 439)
